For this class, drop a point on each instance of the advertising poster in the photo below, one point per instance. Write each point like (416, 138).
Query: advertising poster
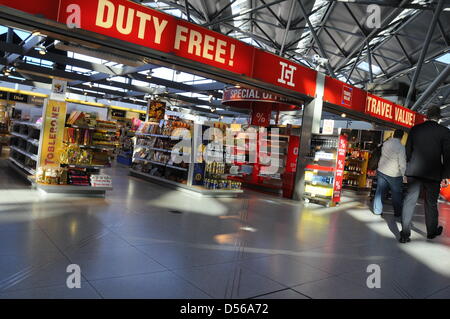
(53, 123)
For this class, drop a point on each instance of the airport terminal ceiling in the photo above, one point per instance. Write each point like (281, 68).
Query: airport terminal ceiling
(380, 60)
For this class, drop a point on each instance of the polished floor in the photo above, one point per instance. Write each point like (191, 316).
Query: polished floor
(148, 241)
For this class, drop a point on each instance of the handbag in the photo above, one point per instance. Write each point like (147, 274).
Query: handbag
(375, 158)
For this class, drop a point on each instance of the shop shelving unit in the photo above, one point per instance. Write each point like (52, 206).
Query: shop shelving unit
(104, 146)
(153, 162)
(259, 178)
(24, 147)
(323, 170)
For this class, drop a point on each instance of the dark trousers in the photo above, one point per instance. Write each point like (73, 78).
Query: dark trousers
(431, 189)
(384, 183)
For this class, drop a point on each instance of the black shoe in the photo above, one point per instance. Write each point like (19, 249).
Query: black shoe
(437, 233)
(404, 239)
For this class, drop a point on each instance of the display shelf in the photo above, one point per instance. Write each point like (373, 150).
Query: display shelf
(197, 190)
(85, 166)
(319, 184)
(173, 137)
(30, 171)
(27, 154)
(352, 173)
(33, 125)
(93, 128)
(177, 167)
(97, 147)
(71, 189)
(318, 196)
(23, 136)
(26, 138)
(160, 150)
(319, 168)
(355, 159)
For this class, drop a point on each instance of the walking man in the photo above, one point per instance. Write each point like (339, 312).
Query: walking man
(391, 168)
(428, 163)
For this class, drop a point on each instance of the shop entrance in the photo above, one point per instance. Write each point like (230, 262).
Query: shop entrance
(153, 117)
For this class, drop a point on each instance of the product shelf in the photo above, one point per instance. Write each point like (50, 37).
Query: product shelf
(30, 155)
(30, 171)
(197, 190)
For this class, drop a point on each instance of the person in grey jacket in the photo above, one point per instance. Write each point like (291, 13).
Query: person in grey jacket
(391, 168)
(428, 163)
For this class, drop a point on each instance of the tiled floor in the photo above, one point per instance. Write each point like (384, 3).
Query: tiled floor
(130, 245)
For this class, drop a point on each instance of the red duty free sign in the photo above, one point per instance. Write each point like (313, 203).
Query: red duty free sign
(131, 22)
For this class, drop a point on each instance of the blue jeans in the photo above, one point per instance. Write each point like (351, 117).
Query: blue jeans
(384, 183)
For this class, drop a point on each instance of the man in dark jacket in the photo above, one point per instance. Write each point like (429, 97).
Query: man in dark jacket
(428, 163)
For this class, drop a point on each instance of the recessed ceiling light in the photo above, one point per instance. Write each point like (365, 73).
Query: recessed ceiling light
(343, 115)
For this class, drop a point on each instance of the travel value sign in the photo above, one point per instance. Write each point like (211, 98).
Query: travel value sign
(389, 111)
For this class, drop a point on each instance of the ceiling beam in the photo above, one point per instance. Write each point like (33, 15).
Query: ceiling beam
(243, 12)
(425, 46)
(316, 39)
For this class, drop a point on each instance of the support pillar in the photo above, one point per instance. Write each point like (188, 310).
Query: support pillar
(312, 114)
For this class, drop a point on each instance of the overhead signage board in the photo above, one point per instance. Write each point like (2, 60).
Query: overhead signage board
(17, 97)
(134, 23)
(36, 100)
(390, 112)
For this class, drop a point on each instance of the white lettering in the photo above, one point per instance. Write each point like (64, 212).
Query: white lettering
(143, 19)
(102, 5)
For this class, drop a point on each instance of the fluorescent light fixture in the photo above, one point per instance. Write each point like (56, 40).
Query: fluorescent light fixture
(365, 67)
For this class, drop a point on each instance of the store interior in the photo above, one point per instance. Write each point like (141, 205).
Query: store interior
(153, 120)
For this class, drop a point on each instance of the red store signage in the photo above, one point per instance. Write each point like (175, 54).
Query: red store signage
(281, 72)
(340, 165)
(390, 112)
(134, 23)
(347, 94)
(292, 155)
(248, 98)
(261, 114)
(131, 22)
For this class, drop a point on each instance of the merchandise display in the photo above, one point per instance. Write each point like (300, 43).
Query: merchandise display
(266, 170)
(87, 146)
(24, 146)
(154, 150)
(324, 175)
(163, 152)
(357, 176)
